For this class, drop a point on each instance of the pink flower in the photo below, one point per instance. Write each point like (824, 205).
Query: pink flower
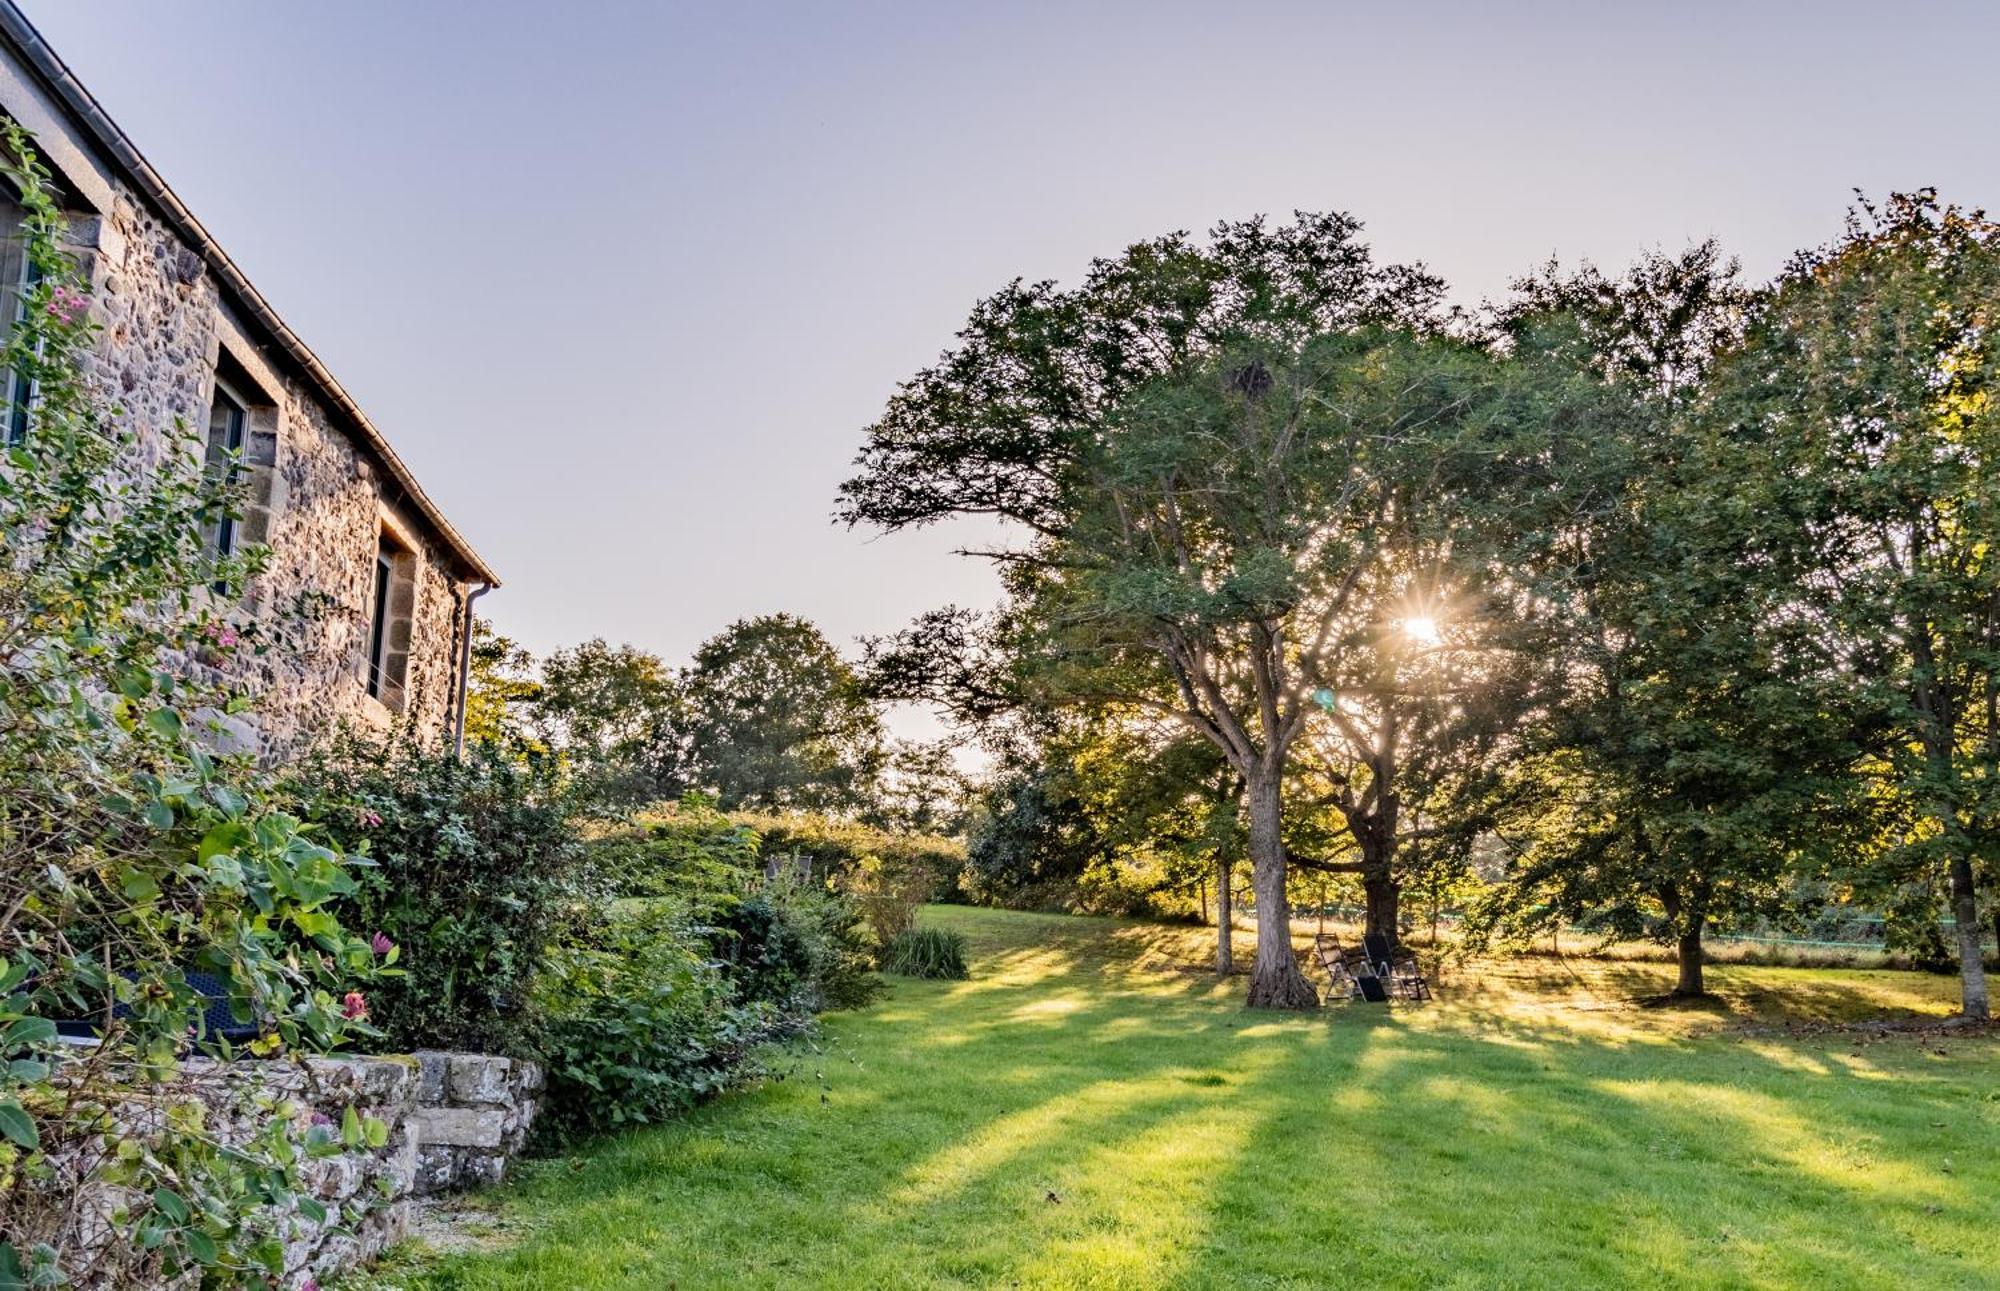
(354, 1007)
(67, 305)
(366, 818)
(381, 944)
(310, 1284)
(321, 1118)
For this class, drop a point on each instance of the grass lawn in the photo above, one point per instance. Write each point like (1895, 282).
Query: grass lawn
(1093, 1111)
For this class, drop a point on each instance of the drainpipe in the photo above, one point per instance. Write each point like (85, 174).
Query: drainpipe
(465, 670)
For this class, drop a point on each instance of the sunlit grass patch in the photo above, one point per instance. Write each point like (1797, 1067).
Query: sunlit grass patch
(1086, 1112)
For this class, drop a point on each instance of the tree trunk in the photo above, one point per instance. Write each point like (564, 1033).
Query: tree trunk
(1275, 979)
(1225, 920)
(1687, 948)
(1965, 918)
(1382, 895)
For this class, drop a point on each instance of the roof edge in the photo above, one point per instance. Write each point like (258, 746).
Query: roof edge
(137, 171)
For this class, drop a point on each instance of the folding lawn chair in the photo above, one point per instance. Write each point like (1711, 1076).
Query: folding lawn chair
(1397, 965)
(1334, 961)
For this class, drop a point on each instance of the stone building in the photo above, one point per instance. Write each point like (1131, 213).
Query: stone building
(364, 612)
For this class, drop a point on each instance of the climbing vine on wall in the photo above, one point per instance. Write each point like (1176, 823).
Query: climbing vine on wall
(139, 859)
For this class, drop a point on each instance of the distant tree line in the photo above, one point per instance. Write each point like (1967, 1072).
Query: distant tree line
(766, 717)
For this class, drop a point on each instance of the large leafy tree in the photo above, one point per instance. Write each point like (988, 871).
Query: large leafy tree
(1872, 384)
(500, 689)
(618, 716)
(1209, 452)
(1420, 705)
(1703, 751)
(777, 720)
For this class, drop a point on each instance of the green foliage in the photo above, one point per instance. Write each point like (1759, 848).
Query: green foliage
(501, 687)
(671, 993)
(618, 717)
(1870, 386)
(135, 847)
(655, 1006)
(778, 721)
(768, 717)
(1031, 841)
(1232, 465)
(797, 945)
(832, 847)
(922, 791)
(1103, 817)
(937, 953)
(1781, 648)
(688, 850)
(475, 869)
(637, 1022)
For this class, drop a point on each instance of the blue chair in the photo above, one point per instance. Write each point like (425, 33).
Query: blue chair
(217, 1019)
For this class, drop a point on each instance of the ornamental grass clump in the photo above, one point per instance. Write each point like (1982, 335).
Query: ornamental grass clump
(135, 849)
(937, 953)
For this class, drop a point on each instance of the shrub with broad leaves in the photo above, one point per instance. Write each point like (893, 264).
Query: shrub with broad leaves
(136, 849)
(475, 868)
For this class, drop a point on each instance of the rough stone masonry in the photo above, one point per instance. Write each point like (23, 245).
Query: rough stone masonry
(454, 1121)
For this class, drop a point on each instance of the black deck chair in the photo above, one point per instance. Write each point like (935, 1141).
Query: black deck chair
(1396, 965)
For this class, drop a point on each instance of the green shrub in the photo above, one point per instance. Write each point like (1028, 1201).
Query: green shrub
(636, 1022)
(927, 952)
(834, 848)
(660, 1000)
(798, 946)
(687, 850)
(477, 869)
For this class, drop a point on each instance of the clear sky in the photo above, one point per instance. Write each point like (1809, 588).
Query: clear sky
(624, 281)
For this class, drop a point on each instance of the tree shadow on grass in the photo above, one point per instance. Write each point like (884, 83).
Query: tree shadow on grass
(1072, 1118)
(1593, 1165)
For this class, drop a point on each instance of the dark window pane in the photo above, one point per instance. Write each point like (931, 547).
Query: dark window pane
(378, 627)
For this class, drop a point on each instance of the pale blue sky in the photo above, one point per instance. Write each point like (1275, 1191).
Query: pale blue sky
(623, 282)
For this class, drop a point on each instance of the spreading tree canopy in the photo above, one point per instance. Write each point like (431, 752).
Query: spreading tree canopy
(1213, 456)
(1872, 384)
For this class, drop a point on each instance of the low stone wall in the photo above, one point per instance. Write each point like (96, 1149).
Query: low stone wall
(365, 1191)
(453, 1120)
(473, 1116)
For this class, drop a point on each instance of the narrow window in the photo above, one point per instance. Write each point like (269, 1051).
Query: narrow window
(226, 418)
(378, 627)
(393, 588)
(20, 279)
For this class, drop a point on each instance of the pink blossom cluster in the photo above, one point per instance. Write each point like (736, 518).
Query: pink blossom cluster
(67, 305)
(221, 635)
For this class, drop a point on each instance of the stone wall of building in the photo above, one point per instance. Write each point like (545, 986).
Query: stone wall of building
(316, 499)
